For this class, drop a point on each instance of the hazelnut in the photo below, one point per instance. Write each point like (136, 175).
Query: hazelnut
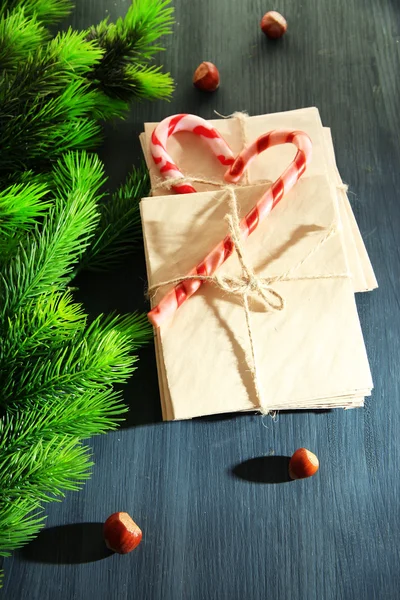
(303, 464)
(273, 25)
(206, 77)
(121, 533)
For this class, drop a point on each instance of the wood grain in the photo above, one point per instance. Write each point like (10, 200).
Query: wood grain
(209, 534)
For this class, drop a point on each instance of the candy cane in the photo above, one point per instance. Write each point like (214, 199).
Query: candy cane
(199, 127)
(181, 292)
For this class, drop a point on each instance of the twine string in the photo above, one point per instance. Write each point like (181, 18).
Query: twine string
(248, 285)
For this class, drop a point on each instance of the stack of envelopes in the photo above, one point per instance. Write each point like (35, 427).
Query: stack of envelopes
(310, 355)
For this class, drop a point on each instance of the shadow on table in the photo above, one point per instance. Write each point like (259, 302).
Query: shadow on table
(122, 290)
(225, 417)
(236, 415)
(264, 469)
(311, 411)
(68, 544)
(141, 393)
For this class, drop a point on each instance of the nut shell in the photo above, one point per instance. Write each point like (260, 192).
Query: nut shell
(303, 464)
(273, 24)
(206, 77)
(121, 533)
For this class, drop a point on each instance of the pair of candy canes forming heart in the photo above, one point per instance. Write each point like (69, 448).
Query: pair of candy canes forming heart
(183, 122)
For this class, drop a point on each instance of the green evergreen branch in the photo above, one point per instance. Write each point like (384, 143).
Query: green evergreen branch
(46, 107)
(51, 98)
(19, 35)
(43, 323)
(21, 206)
(89, 413)
(43, 263)
(34, 443)
(46, 11)
(44, 470)
(17, 523)
(73, 54)
(57, 370)
(128, 45)
(119, 229)
(136, 82)
(32, 475)
(150, 20)
(148, 82)
(95, 357)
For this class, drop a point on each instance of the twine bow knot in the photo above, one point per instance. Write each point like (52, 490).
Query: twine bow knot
(248, 284)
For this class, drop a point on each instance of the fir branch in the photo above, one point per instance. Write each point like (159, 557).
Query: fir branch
(78, 174)
(19, 36)
(17, 523)
(148, 82)
(43, 323)
(32, 475)
(119, 228)
(128, 45)
(43, 263)
(145, 22)
(21, 206)
(46, 11)
(39, 451)
(96, 357)
(29, 177)
(83, 415)
(34, 442)
(73, 53)
(44, 470)
(57, 371)
(51, 102)
(46, 107)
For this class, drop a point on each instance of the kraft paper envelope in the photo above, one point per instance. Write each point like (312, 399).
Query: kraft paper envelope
(309, 355)
(354, 244)
(200, 163)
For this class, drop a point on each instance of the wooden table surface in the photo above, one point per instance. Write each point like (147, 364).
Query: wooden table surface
(214, 530)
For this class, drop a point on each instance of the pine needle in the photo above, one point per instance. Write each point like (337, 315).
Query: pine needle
(19, 35)
(58, 367)
(19, 523)
(128, 45)
(119, 230)
(46, 11)
(43, 323)
(85, 414)
(22, 206)
(46, 107)
(44, 261)
(95, 357)
(44, 470)
(148, 82)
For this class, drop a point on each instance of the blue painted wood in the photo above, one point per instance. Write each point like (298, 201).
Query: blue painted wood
(208, 534)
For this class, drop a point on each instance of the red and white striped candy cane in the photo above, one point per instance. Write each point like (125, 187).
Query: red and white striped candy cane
(181, 292)
(196, 125)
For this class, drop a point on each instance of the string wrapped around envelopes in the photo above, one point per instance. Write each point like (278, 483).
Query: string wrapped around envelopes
(214, 355)
(248, 285)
